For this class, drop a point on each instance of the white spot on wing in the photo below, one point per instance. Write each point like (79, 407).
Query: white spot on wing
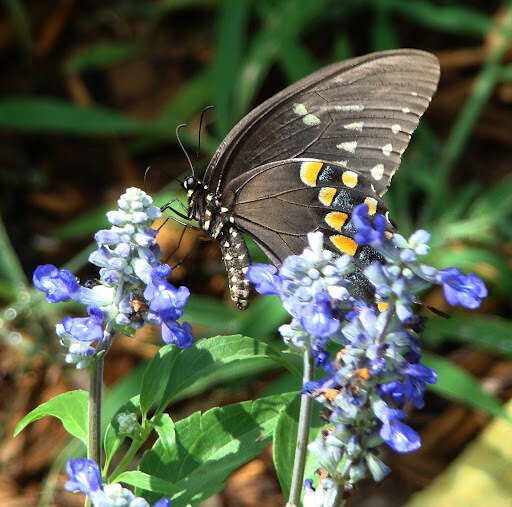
(395, 128)
(350, 107)
(300, 109)
(406, 110)
(349, 146)
(387, 149)
(311, 120)
(377, 171)
(357, 125)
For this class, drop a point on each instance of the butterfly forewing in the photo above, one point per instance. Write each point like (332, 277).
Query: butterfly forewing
(360, 112)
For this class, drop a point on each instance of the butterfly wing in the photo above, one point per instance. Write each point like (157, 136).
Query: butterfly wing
(360, 112)
(279, 203)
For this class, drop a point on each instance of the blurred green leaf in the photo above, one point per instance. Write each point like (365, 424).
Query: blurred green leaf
(70, 408)
(10, 267)
(230, 43)
(100, 55)
(458, 385)
(215, 316)
(451, 18)
(263, 317)
(91, 221)
(383, 34)
(47, 114)
(487, 332)
(20, 21)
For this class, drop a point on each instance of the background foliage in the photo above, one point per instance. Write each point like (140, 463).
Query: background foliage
(90, 95)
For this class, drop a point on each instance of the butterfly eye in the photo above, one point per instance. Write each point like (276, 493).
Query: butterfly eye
(190, 183)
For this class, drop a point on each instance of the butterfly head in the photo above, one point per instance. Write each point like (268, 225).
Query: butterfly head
(190, 184)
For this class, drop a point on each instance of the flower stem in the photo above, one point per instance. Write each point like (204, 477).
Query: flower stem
(95, 398)
(306, 405)
(95, 392)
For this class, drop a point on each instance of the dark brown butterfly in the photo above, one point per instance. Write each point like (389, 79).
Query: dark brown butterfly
(303, 159)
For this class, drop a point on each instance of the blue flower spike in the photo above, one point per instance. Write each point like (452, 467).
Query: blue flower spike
(132, 288)
(378, 368)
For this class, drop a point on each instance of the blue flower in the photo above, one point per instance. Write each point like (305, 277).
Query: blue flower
(264, 277)
(84, 476)
(85, 329)
(467, 291)
(316, 319)
(164, 299)
(394, 432)
(413, 385)
(366, 234)
(181, 335)
(58, 285)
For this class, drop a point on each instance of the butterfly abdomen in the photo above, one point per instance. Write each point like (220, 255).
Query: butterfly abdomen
(236, 258)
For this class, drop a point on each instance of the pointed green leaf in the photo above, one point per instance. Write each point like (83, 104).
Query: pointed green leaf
(182, 367)
(70, 408)
(456, 384)
(207, 447)
(488, 332)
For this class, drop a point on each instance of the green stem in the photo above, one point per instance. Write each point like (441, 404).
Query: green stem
(94, 429)
(95, 399)
(306, 405)
(130, 454)
(94, 422)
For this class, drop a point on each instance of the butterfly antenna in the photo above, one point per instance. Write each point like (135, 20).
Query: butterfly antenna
(183, 147)
(203, 112)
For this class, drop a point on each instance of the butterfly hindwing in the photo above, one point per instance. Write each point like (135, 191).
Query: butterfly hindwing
(279, 203)
(360, 112)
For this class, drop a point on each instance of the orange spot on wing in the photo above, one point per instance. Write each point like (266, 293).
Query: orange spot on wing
(344, 244)
(309, 172)
(326, 195)
(336, 219)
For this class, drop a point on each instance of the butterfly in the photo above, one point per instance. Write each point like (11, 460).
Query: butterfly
(303, 159)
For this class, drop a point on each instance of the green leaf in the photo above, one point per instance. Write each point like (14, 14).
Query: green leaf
(52, 115)
(147, 482)
(456, 384)
(285, 443)
(263, 317)
(10, 267)
(454, 18)
(215, 316)
(70, 408)
(208, 447)
(89, 222)
(487, 332)
(183, 367)
(231, 34)
(100, 55)
(20, 21)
